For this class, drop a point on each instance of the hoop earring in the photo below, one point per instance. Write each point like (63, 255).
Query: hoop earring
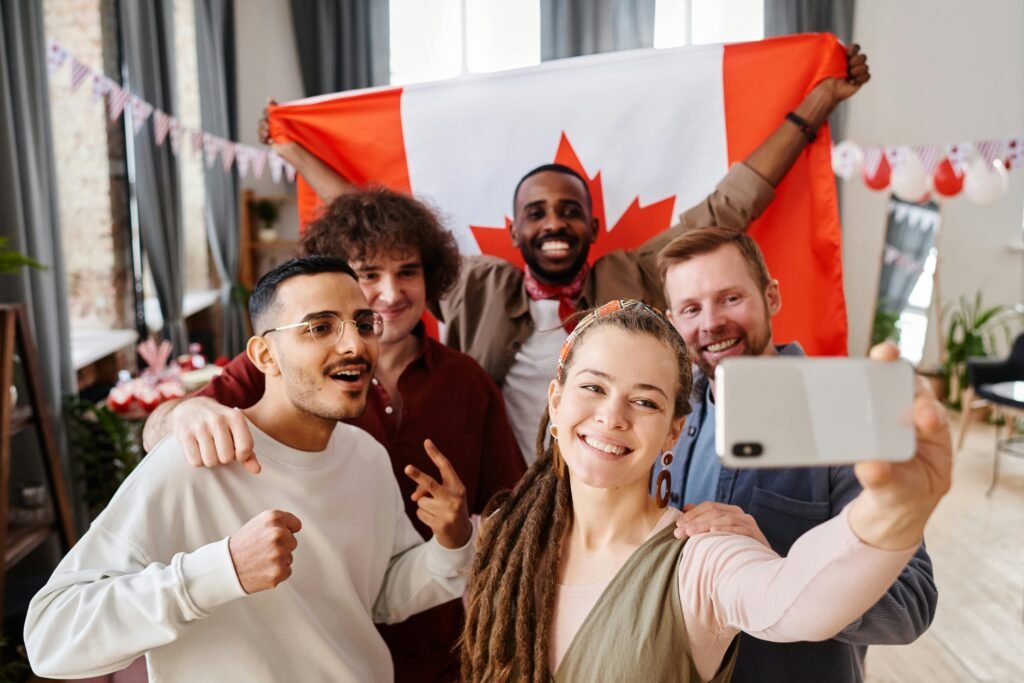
(557, 463)
(663, 485)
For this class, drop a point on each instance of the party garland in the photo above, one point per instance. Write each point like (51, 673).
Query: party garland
(246, 158)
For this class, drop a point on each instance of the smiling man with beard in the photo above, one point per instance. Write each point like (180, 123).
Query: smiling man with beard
(184, 565)
(721, 301)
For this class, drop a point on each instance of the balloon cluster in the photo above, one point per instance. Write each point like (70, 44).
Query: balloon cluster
(915, 176)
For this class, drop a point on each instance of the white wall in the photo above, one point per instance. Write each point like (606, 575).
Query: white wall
(267, 66)
(941, 71)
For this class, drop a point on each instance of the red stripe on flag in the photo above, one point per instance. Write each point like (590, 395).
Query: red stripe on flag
(800, 232)
(371, 151)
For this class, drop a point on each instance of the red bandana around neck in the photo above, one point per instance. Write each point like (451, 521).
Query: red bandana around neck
(566, 294)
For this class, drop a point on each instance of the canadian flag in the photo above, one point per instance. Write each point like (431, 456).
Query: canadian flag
(653, 131)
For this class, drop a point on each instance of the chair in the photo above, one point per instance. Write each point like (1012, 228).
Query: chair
(1001, 383)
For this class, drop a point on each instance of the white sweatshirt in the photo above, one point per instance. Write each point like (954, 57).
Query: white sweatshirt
(154, 576)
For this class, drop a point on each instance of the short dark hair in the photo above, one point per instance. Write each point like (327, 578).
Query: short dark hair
(265, 293)
(706, 240)
(557, 168)
(361, 225)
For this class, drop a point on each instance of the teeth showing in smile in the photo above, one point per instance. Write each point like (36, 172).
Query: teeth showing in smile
(554, 245)
(606, 447)
(722, 345)
(348, 375)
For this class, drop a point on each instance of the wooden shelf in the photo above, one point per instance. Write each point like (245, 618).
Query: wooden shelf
(23, 540)
(21, 417)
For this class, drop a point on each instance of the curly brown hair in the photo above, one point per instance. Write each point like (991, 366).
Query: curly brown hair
(364, 225)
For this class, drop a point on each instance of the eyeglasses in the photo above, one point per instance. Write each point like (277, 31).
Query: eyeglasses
(327, 329)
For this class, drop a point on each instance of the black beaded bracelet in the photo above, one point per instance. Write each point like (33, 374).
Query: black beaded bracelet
(804, 127)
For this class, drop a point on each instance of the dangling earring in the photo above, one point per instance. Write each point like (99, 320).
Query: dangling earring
(556, 454)
(663, 485)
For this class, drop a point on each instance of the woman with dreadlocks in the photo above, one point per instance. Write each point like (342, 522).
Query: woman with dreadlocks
(579, 577)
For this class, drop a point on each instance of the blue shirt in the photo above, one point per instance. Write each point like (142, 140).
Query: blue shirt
(701, 479)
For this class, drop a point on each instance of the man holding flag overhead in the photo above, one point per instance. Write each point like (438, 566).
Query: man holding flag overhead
(687, 114)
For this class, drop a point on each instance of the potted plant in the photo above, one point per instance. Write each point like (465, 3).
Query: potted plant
(970, 333)
(266, 213)
(107, 447)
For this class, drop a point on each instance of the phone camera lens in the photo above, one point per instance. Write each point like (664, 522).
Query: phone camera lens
(747, 450)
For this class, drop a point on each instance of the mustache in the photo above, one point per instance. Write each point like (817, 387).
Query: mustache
(561, 236)
(352, 363)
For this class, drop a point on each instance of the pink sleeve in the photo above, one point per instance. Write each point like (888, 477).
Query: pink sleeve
(730, 583)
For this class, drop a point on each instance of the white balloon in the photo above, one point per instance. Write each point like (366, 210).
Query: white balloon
(909, 181)
(847, 159)
(985, 183)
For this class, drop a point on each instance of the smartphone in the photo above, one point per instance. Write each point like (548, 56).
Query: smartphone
(783, 411)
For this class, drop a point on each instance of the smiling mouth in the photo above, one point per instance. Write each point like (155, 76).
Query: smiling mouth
(605, 447)
(723, 345)
(350, 374)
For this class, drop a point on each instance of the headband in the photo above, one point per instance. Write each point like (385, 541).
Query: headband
(596, 314)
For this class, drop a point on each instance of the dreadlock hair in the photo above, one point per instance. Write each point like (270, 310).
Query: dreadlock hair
(512, 583)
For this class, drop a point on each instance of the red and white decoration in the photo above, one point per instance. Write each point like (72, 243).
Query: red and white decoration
(976, 168)
(250, 161)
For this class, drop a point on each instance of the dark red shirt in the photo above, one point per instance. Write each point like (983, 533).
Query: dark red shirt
(448, 398)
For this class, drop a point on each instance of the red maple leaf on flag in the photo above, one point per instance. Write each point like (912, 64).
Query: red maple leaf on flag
(636, 225)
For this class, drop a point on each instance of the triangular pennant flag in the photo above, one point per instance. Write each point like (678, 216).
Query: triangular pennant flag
(78, 73)
(141, 109)
(100, 86)
(56, 55)
(197, 142)
(930, 156)
(259, 162)
(211, 148)
(872, 158)
(117, 98)
(242, 159)
(1014, 153)
(896, 156)
(276, 166)
(175, 135)
(227, 154)
(959, 154)
(990, 150)
(161, 126)
(289, 171)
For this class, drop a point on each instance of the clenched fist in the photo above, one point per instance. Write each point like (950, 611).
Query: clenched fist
(262, 550)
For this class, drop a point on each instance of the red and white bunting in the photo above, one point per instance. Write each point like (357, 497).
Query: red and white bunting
(872, 158)
(259, 162)
(56, 55)
(930, 156)
(228, 150)
(100, 87)
(242, 160)
(175, 134)
(79, 72)
(276, 166)
(197, 142)
(289, 172)
(117, 99)
(990, 150)
(161, 126)
(897, 157)
(141, 109)
(1014, 153)
(211, 148)
(959, 154)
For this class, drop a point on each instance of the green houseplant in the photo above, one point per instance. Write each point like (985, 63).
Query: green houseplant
(266, 213)
(12, 261)
(970, 332)
(106, 447)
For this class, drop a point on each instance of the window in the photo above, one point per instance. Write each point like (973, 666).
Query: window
(448, 38)
(700, 22)
(913, 323)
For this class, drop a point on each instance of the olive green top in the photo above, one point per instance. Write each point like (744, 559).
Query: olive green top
(636, 631)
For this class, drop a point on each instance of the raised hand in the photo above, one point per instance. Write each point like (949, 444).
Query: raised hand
(712, 516)
(857, 74)
(212, 434)
(442, 506)
(262, 550)
(898, 498)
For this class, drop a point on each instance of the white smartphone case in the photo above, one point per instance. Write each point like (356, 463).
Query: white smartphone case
(800, 412)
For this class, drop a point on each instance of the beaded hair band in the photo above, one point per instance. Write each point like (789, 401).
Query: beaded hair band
(596, 314)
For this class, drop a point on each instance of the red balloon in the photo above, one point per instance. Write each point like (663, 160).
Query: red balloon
(880, 179)
(946, 180)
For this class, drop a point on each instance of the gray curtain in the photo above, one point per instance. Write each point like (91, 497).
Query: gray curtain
(343, 44)
(28, 200)
(909, 236)
(569, 28)
(785, 17)
(148, 51)
(215, 41)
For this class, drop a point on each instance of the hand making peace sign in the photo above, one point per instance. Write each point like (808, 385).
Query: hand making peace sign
(442, 506)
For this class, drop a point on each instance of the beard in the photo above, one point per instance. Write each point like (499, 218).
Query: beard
(308, 393)
(753, 344)
(560, 277)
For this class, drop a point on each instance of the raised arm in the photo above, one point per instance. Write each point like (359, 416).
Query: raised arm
(324, 180)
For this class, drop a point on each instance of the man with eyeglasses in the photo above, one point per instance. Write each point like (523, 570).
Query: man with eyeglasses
(404, 258)
(222, 576)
